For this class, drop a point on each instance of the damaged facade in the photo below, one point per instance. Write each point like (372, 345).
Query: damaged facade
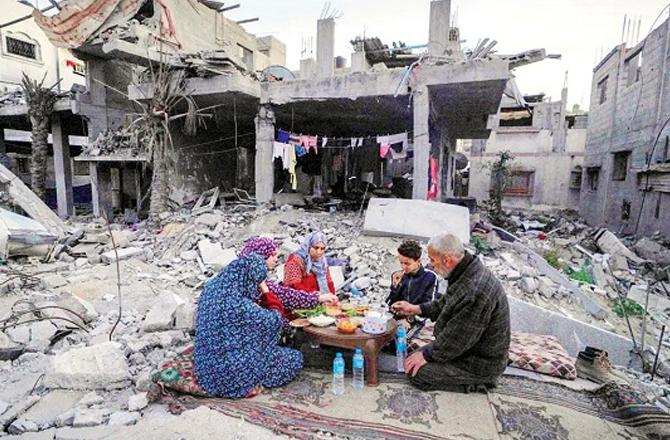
(626, 176)
(234, 147)
(547, 144)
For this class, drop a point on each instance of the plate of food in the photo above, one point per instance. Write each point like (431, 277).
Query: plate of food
(346, 326)
(333, 311)
(321, 321)
(300, 323)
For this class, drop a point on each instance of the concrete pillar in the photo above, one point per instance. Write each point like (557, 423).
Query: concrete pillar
(101, 189)
(325, 47)
(3, 146)
(359, 63)
(438, 37)
(62, 168)
(265, 135)
(307, 68)
(421, 104)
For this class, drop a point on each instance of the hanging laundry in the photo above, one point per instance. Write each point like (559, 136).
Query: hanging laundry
(324, 141)
(399, 145)
(432, 184)
(309, 142)
(311, 163)
(300, 151)
(281, 150)
(384, 150)
(367, 155)
(283, 136)
(291, 167)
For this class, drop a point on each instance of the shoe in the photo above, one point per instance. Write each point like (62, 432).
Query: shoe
(595, 367)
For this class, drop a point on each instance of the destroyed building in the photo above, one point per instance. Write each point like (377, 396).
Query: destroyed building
(26, 49)
(547, 145)
(626, 176)
(424, 103)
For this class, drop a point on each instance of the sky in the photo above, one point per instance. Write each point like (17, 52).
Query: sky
(579, 30)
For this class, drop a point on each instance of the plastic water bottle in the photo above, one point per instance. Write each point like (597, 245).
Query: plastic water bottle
(338, 375)
(401, 347)
(359, 370)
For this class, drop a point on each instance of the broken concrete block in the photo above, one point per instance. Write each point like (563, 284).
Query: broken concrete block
(638, 293)
(123, 418)
(188, 255)
(138, 402)
(185, 316)
(337, 274)
(54, 281)
(101, 366)
(18, 409)
(288, 248)
(21, 425)
(362, 283)
(9, 349)
(161, 316)
(124, 254)
(610, 244)
(209, 220)
(84, 417)
(4, 406)
(647, 248)
(350, 251)
(65, 419)
(599, 276)
(416, 219)
(528, 285)
(45, 412)
(619, 262)
(214, 255)
(91, 399)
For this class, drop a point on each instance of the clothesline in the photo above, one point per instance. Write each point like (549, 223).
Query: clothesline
(330, 139)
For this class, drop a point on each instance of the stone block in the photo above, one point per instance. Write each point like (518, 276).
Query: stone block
(528, 285)
(46, 412)
(188, 255)
(214, 255)
(416, 219)
(138, 402)
(209, 220)
(21, 425)
(123, 418)
(17, 410)
(161, 316)
(101, 366)
(85, 417)
(124, 254)
(54, 281)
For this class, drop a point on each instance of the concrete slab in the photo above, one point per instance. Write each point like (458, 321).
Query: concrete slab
(573, 334)
(100, 366)
(45, 412)
(416, 219)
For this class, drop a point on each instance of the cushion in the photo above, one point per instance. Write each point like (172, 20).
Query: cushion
(542, 354)
(178, 375)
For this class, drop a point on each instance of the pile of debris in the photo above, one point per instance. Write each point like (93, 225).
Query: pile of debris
(114, 143)
(80, 339)
(14, 97)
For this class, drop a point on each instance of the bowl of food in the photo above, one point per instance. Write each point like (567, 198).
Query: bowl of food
(346, 326)
(321, 321)
(376, 322)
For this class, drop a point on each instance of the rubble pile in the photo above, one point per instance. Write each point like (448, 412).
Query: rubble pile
(113, 142)
(14, 97)
(69, 360)
(61, 340)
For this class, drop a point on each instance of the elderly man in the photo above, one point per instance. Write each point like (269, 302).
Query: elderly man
(472, 329)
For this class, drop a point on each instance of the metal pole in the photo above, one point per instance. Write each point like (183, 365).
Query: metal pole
(644, 319)
(658, 352)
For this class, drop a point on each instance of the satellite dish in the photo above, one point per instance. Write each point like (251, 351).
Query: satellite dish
(277, 73)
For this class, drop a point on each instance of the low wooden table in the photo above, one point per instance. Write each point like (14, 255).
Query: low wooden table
(371, 345)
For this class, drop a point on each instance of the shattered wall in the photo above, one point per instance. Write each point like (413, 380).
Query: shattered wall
(624, 118)
(550, 169)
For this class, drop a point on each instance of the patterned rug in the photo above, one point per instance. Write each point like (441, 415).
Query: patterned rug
(519, 408)
(615, 403)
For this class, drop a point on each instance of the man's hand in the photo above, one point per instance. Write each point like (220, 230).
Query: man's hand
(414, 363)
(396, 277)
(405, 308)
(328, 298)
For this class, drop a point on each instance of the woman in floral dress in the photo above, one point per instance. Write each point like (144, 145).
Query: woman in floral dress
(236, 349)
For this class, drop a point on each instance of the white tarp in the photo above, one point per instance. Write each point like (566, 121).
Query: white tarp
(419, 219)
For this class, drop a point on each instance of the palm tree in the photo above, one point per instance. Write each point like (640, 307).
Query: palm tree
(41, 103)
